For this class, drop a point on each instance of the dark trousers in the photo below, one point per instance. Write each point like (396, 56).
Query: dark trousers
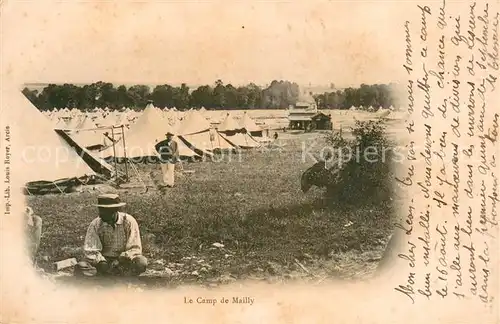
(133, 267)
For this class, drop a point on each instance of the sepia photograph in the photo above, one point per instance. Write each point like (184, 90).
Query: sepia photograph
(280, 177)
(163, 185)
(214, 146)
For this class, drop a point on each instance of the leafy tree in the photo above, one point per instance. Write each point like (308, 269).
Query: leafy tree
(202, 97)
(181, 97)
(162, 96)
(230, 97)
(139, 95)
(122, 97)
(219, 94)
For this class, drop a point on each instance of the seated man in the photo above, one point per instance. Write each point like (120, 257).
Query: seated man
(113, 242)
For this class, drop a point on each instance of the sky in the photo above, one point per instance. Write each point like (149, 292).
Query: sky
(196, 42)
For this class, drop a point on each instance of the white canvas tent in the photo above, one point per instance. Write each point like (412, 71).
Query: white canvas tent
(75, 122)
(86, 123)
(61, 124)
(40, 154)
(107, 121)
(250, 126)
(235, 134)
(195, 132)
(122, 119)
(140, 139)
(229, 124)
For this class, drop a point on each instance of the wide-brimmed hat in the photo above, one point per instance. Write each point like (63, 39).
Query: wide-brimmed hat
(109, 201)
(169, 133)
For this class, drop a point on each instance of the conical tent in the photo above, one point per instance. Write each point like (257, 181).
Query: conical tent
(74, 122)
(107, 121)
(195, 132)
(61, 124)
(193, 123)
(142, 136)
(87, 123)
(99, 120)
(250, 126)
(229, 125)
(219, 142)
(234, 134)
(90, 139)
(42, 155)
(122, 119)
(88, 136)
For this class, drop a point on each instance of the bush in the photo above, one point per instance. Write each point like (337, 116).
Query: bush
(364, 176)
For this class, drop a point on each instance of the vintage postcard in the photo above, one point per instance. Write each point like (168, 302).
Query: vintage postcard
(249, 161)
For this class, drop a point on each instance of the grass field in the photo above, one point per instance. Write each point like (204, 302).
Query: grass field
(252, 204)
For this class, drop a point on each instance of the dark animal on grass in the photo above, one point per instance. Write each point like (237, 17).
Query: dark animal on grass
(320, 176)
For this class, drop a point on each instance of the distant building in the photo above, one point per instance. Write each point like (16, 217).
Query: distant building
(300, 115)
(321, 121)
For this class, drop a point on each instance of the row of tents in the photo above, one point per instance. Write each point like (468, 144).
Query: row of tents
(81, 120)
(196, 135)
(45, 154)
(70, 112)
(39, 153)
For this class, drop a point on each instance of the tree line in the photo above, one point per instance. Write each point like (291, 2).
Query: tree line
(377, 95)
(279, 94)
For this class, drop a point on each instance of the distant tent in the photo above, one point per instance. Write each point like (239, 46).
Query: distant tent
(250, 126)
(122, 120)
(99, 120)
(45, 155)
(61, 124)
(74, 122)
(88, 135)
(107, 121)
(195, 132)
(141, 138)
(91, 140)
(229, 125)
(86, 123)
(235, 134)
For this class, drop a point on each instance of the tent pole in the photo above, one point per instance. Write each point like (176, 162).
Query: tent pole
(125, 152)
(29, 192)
(139, 176)
(114, 152)
(57, 187)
